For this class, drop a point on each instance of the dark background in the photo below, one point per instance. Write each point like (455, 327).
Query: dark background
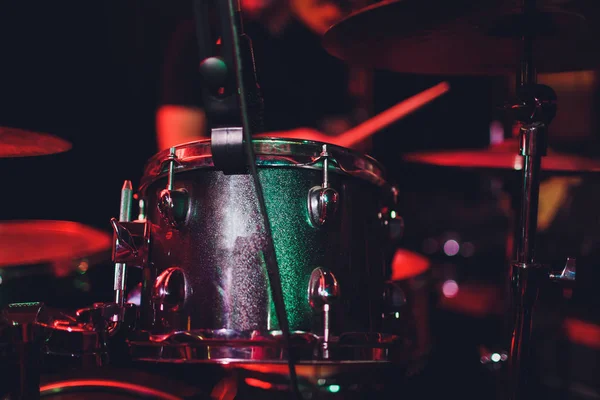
(90, 72)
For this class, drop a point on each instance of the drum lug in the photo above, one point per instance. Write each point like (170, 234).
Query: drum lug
(170, 289)
(131, 242)
(173, 203)
(323, 290)
(323, 200)
(173, 206)
(322, 205)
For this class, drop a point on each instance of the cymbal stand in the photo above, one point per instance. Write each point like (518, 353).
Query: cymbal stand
(535, 109)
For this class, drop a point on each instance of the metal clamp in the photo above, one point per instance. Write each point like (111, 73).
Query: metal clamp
(173, 203)
(132, 241)
(323, 200)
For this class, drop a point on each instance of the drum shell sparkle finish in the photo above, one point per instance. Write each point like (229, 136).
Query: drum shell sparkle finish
(220, 250)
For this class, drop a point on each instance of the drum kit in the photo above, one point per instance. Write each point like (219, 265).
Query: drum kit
(267, 263)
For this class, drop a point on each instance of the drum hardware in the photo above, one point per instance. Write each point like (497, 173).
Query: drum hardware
(181, 323)
(20, 143)
(107, 318)
(567, 274)
(170, 289)
(323, 200)
(323, 290)
(120, 268)
(173, 204)
(23, 340)
(536, 107)
(131, 242)
(142, 210)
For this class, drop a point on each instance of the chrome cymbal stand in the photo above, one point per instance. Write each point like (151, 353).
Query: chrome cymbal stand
(535, 108)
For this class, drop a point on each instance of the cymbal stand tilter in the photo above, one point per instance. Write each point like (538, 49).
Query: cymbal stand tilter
(535, 109)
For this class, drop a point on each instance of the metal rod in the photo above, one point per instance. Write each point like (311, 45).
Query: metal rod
(529, 201)
(120, 268)
(526, 275)
(526, 75)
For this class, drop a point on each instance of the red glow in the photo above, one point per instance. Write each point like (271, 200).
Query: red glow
(407, 264)
(58, 242)
(102, 383)
(582, 333)
(475, 299)
(258, 383)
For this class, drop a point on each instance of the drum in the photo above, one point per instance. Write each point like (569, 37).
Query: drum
(206, 293)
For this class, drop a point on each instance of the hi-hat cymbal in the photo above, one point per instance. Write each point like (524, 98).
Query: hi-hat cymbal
(461, 37)
(55, 243)
(505, 156)
(20, 143)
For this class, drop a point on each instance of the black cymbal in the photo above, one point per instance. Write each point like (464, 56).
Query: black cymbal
(462, 37)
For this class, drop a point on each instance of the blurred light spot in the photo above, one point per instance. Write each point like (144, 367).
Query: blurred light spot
(496, 357)
(321, 381)
(467, 249)
(393, 214)
(496, 132)
(83, 267)
(0, 280)
(450, 289)
(334, 388)
(504, 357)
(258, 383)
(451, 247)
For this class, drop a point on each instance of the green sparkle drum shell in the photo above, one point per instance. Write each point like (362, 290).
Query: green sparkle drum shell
(215, 257)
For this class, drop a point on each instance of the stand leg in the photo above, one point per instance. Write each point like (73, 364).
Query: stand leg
(526, 276)
(525, 287)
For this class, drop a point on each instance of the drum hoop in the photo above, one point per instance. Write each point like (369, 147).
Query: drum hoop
(76, 385)
(270, 152)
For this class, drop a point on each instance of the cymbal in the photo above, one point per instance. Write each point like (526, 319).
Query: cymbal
(504, 156)
(49, 242)
(20, 143)
(461, 37)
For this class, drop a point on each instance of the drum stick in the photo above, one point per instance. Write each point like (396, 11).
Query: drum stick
(387, 117)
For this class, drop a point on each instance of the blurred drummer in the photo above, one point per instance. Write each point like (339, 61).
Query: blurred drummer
(305, 90)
